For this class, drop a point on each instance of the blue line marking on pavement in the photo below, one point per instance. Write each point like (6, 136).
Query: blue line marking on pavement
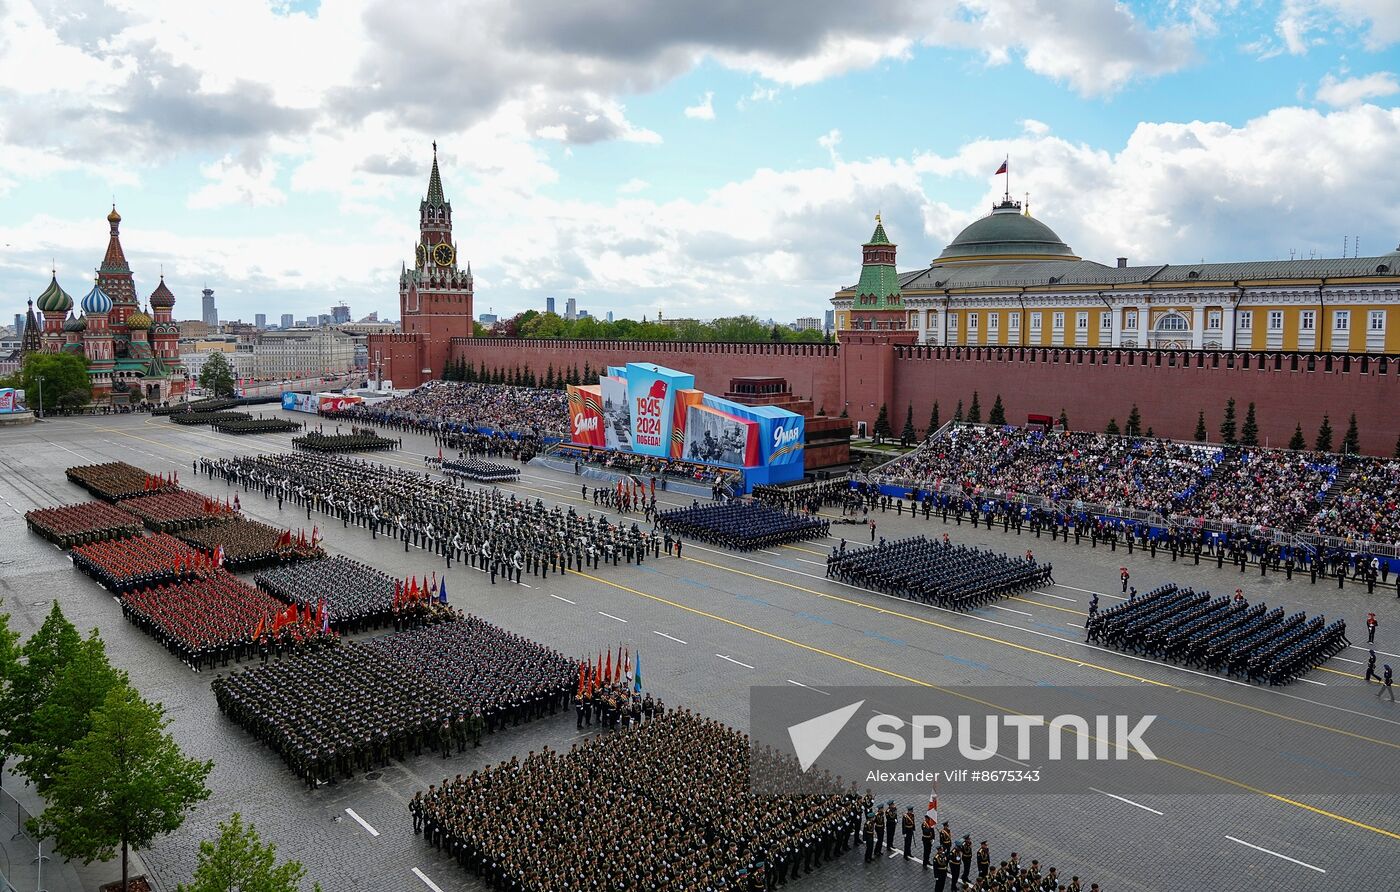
(1316, 763)
(645, 569)
(885, 638)
(693, 581)
(751, 599)
(1189, 726)
(962, 662)
(802, 614)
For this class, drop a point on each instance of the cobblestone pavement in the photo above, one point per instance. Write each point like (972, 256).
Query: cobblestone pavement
(713, 624)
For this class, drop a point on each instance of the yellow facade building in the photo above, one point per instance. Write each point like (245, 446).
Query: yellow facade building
(1008, 279)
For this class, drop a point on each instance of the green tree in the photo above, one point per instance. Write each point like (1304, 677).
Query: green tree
(1351, 440)
(65, 380)
(1150, 435)
(1324, 435)
(776, 335)
(1134, 425)
(974, 411)
(1227, 426)
(216, 376)
(908, 435)
(1112, 428)
(1064, 420)
(1200, 427)
(998, 414)
(1297, 443)
(549, 376)
(239, 861)
(882, 424)
(934, 422)
(1249, 433)
(1397, 447)
(47, 653)
(65, 717)
(123, 785)
(958, 412)
(9, 669)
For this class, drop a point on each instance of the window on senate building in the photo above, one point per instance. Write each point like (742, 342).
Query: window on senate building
(1213, 320)
(1081, 322)
(1244, 320)
(971, 321)
(1013, 322)
(1035, 322)
(1130, 319)
(1059, 322)
(1306, 320)
(1276, 320)
(1377, 320)
(993, 321)
(1341, 320)
(1105, 322)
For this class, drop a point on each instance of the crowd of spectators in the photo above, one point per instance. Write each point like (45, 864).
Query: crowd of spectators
(1267, 490)
(454, 406)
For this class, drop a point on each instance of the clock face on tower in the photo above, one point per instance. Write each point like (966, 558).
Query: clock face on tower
(443, 254)
(422, 254)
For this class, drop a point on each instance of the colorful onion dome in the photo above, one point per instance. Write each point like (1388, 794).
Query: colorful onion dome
(97, 301)
(54, 299)
(75, 323)
(162, 297)
(138, 320)
(114, 217)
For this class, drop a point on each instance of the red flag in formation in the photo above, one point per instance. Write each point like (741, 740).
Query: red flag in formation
(607, 669)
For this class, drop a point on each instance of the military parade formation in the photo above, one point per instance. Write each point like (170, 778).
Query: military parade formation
(742, 526)
(358, 597)
(936, 572)
(663, 805)
(358, 440)
(69, 525)
(502, 534)
(480, 470)
(1222, 634)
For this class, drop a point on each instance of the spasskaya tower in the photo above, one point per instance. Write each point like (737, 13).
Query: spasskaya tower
(435, 298)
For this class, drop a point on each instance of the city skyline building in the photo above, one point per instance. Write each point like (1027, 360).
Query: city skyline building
(211, 312)
(287, 321)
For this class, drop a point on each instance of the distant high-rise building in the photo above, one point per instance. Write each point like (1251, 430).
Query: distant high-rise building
(311, 321)
(548, 305)
(19, 325)
(829, 323)
(287, 321)
(340, 314)
(211, 312)
(610, 315)
(487, 318)
(571, 309)
(260, 320)
(323, 319)
(584, 314)
(806, 323)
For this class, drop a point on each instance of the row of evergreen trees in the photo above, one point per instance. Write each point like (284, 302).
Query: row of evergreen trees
(461, 370)
(112, 779)
(1231, 431)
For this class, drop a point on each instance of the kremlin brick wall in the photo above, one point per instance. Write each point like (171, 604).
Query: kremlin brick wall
(1091, 386)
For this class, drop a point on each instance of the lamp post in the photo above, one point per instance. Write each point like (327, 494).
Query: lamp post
(41, 396)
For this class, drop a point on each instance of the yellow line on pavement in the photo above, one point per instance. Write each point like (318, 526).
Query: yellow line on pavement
(921, 683)
(1054, 656)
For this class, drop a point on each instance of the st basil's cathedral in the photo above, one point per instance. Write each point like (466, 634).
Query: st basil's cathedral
(132, 354)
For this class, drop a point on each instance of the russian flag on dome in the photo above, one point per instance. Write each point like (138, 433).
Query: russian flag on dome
(1003, 168)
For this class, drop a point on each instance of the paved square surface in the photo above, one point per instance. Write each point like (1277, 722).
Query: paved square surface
(713, 624)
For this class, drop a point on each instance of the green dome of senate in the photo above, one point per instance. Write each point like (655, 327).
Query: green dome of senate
(1006, 236)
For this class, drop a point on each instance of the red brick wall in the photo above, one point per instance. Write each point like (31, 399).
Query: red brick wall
(1167, 397)
(811, 370)
(1092, 386)
(402, 358)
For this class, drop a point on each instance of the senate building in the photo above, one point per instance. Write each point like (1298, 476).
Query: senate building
(1009, 280)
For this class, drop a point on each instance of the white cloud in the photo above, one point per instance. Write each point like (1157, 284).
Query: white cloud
(233, 182)
(633, 186)
(1342, 92)
(703, 110)
(1034, 127)
(1302, 24)
(830, 141)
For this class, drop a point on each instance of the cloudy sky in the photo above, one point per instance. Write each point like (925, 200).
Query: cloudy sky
(698, 158)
